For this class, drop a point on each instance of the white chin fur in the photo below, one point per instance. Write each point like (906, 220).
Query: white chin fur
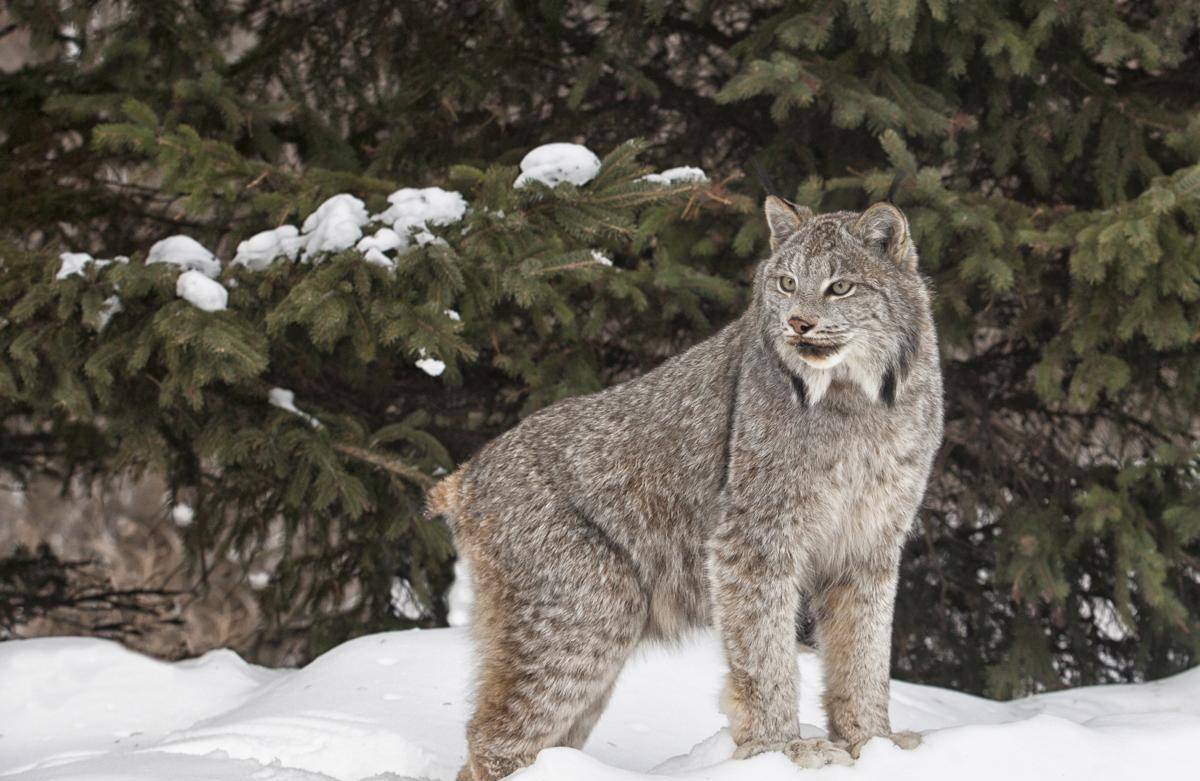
(819, 373)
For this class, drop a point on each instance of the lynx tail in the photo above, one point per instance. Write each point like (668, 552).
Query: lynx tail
(445, 498)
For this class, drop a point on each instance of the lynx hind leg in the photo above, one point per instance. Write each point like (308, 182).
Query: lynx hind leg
(552, 637)
(579, 732)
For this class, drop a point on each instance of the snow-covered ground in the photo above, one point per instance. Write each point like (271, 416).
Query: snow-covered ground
(393, 705)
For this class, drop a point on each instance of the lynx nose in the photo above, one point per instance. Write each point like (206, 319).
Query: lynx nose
(800, 325)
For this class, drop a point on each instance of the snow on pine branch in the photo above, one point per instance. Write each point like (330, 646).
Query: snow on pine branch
(75, 263)
(186, 253)
(340, 223)
(201, 292)
(685, 173)
(552, 164)
(262, 249)
(285, 400)
(431, 366)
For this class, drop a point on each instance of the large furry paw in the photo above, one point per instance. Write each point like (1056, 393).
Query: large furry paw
(805, 752)
(906, 740)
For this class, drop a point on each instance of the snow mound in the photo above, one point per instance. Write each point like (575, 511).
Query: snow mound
(335, 225)
(185, 252)
(201, 292)
(396, 704)
(685, 173)
(552, 164)
(260, 250)
(68, 697)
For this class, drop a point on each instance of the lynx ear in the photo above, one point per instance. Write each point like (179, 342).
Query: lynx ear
(884, 229)
(784, 219)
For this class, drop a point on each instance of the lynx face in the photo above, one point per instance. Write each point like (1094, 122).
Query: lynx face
(839, 295)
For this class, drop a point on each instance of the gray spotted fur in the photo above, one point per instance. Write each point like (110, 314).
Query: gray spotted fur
(737, 483)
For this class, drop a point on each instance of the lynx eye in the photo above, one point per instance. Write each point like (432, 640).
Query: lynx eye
(841, 287)
(787, 284)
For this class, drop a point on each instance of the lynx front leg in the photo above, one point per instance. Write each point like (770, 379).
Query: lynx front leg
(754, 582)
(854, 625)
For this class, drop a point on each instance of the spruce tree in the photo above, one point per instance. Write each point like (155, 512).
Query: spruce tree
(1050, 154)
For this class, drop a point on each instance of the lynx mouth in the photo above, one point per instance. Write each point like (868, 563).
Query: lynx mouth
(811, 349)
(819, 355)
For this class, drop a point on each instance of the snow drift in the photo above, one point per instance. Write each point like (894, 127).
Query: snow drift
(392, 706)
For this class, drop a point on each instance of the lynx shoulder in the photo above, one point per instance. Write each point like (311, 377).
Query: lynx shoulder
(776, 466)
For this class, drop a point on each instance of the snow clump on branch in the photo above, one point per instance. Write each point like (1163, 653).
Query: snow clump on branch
(685, 173)
(186, 253)
(285, 400)
(75, 263)
(257, 252)
(335, 226)
(201, 292)
(552, 164)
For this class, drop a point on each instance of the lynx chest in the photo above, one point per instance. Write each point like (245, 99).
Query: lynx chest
(844, 480)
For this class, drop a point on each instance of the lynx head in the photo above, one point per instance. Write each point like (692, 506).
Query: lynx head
(840, 298)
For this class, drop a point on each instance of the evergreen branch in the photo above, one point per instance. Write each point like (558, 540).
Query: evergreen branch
(567, 267)
(396, 467)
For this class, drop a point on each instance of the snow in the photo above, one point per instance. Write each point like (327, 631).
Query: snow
(376, 258)
(374, 247)
(412, 207)
(108, 309)
(404, 602)
(425, 237)
(66, 698)
(260, 250)
(431, 366)
(75, 263)
(335, 225)
(552, 164)
(183, 514)
(396, 703)
(185, 252)
(201, 292)
(286, 401)
(601, 258)
(453, 315)
(685, 173)
(461, 597)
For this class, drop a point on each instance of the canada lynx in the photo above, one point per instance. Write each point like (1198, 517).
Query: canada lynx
(778, 464)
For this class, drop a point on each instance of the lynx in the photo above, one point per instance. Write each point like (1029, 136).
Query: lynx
(773, 468)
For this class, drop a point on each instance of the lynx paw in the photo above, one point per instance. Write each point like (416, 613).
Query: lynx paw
(905, 740)
(805, 752)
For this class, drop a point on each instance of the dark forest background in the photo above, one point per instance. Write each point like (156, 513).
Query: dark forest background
(1050, 152)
